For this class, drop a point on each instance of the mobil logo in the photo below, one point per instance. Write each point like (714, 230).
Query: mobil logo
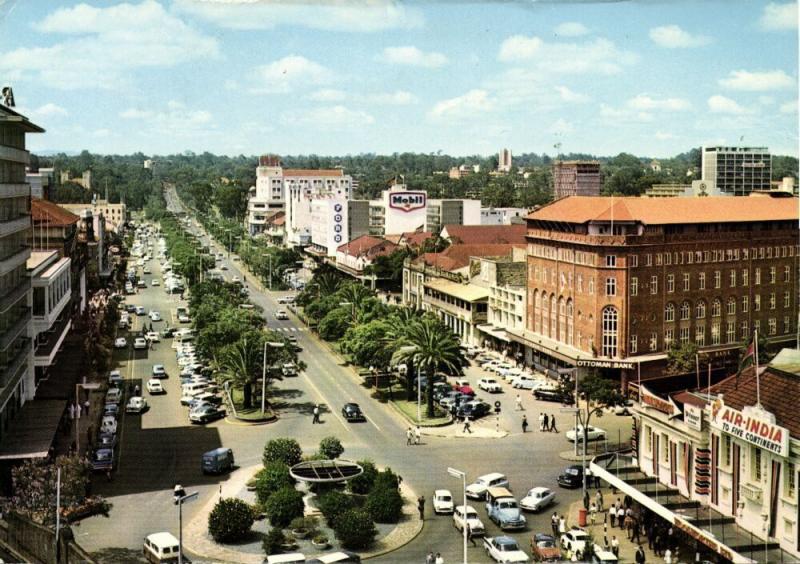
(407, 201)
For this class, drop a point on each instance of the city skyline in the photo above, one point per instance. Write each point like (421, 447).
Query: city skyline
(166, 77)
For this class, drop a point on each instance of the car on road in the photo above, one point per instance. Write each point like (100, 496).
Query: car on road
(146, 270)
(102, 460)
(223, 267)
(537, 499)
(141, 284)
(155, 387)
(289, 369)
(544, 548)
(154, 315)
(490, 385)
(508, 374)
(489, 364)
(111, 409)
(183, 318)
(523, 382)
(575, 540)
(136, 404)
(503, 509)
(140, 310)
(168, 332)
(352, 412)
(106, 440)
(159, 371)
(496, 368)
(236, 279)
(474, 409)
(442, 502)
(553, 394)
(139, 343)
(155, 282)
(470, 518)
(205, 398)
(120, 343)
(115, 378)
(504, 549)
(113, 395)
(453, 398)
(294, 344)
(153, 336)
(206, 413)
(478, 488)
(571, 477)
(281, 314)
(591, 434)
(624, 407)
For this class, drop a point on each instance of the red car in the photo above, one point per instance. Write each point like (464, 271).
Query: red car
(466, 390)
(544, 548)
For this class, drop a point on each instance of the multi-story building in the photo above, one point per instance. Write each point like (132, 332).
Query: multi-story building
(576, 178)
(737, 170)
(301, 187)
(504, 160)
(336, 221)
(502, 216)
(357, 255)
(463, 171)
(456, 212)
(16, 353)
(399, 210)
(116, 215)
(52, 292)
(614, 282)
(505, 277)
(40, 181)
(698, 188)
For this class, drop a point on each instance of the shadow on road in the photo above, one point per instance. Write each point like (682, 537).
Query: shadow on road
(119, 556)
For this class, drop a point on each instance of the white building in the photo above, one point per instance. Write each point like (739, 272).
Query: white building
(501, 216)
(737, 170)
(52, 289)
(399, 210)
(115, 214)
(40, 182)
(336, 221)
(504, 160)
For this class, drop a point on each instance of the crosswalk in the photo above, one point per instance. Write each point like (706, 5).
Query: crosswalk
(289, 329)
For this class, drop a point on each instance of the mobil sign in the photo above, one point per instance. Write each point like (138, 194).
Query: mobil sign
(407, 201)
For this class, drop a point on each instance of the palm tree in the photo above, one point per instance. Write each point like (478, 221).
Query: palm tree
(240, 363)
(430, 347)
(401, 319)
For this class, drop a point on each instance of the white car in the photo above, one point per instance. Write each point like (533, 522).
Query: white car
(280, 314)
(159, 371)
(501, 366)
(183, 318)
(470, 518)
(139, 343)
(155, 282)
(508, 374)
(154, 386)
(504, 549)
(575, 540)
(140, 310)
(108, 424)
(489, 385)
(120, 343)
(442, 501)
(153, 337)
(477, 489)
(489, 364)
(537, 499)
(592, 434)
(236, 279)
(136, 404)
(523, 382)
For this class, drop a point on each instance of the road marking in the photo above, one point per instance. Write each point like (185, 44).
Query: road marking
(321, 395)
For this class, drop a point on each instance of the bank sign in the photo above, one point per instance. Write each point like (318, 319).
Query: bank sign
(407, 201)
(750, 428)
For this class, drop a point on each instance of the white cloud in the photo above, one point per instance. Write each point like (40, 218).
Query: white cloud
(664, 135)
(231, 84)
(462, 107)
(599, 56)
(570, 96)
(413, 56)
(283, 75)
(789, 107)
(175, 119)
(103, 45)
(327, 95)
(571, 29)
(101, 133)
(766, 100)
(757, 81)
(372, 16)
(722, 105)
(328, 117)
(135, 113)
(49, 110)
(617, 116)
(645, 102)
(560, 126)
(674, 37)
(396, 98)
(778, 17)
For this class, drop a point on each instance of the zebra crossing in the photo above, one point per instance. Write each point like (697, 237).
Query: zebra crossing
(289, 329)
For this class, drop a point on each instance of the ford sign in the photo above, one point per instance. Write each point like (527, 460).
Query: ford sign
(407, 201)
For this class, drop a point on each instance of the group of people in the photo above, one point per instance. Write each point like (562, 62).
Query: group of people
(413, 436)
(431, 559)
(547, 423)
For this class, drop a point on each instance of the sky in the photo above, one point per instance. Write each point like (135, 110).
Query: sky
(653, 78)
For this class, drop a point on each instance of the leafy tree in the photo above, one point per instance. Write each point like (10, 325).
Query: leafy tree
(230, 520)
(332, 504)
(34, 487)
(231, 200)
(283, 450)
(384, 504)
(366, 343)
(331, 448)
(241, 364)
(681, 358)
(333, 326)
(595, 394)
(363, 483)
(273, 542)
(355, 529)
(270, 479)
(283, 506)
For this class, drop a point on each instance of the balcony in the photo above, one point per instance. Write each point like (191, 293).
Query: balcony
(14, 331)
(15, 295)
(51, 340)
(14, 225)
(14, 155)
(9, 373)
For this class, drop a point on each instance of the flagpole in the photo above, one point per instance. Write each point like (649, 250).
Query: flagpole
(697, 368)
(758, 379)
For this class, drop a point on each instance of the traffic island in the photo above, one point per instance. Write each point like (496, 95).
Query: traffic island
(408, 409)
(250, 415)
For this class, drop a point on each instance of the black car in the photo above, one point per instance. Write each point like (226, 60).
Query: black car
(352, 412)
(130, 308)
(572, 477)
(474, 409)
(168, 332)
(102, 460)
(206, 413)
(556, 395)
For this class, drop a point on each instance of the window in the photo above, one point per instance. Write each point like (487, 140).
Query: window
(670, 283)
(757, 302)
(787, 299)
(773, 326)
(611, 260)
(787, 273)
(700, 336)
(611, 286)
(772, 274)
(591, 286)
(726, 445)
(755, 469)
(648, 260)
(787, 324)
(658, 259)
(580, 283)
(669, 312)
(634, 260)
(686, 281)
(684, 335)
(700, 310)
(744, 331)
(731, 306)
(745, 304)
(669, 336)
(733, 278)
(772, 300)
(702, 280)
(654, 284)
(610, 316)
(717, 279)
(634, 286)
(716, 308)
(757, 277)
(730, 331)
(634, 344)
(686, 311)
(745, 277)
(715, 333)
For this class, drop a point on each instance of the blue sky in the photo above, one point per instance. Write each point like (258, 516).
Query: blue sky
(242, 76)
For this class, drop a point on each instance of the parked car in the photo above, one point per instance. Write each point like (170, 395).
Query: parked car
(155, 282)
(140, 309)
(602, 556)
(508, 374)
(281, 314)
(474, 409)
(500, 366)
(591, 434)
(111, 409)
(136, 404)
(153, 337)
(120, 343)
(154, 315)
(159, 371)
(352, 412)
(442, 502)
(553, 394)
(155, 387)
(168, 332)
(113, 395)
(537, 499)
(454, 398)
(102, 460)
(108, 424)
(106, 440)
(575, 540)
(115, 378)
(571, 477)
(623, 408)
(489, 385)
(289, 369)
(478, 488)
(544, 548)
(504, 549)
(468, 517)
(184, 318)
(206, 413)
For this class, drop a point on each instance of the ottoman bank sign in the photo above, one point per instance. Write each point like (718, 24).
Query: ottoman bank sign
(407, 201)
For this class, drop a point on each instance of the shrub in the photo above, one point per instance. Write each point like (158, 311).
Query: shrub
(272, 541)
(333, 504)
(283, 506)
(330, 448)
(355, 529)
(310, 524)
(384, 505)
(386, 479)
(230, 520)
(272, 478)
(283, 450)
(363, 483)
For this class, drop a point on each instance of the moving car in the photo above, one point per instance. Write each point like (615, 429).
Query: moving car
(591, 434)
(155, 282)
(153, 337)
(504, 510)
(139, 343)
(140, 310)
(575, 540)
(155, 387)
(478, 488)
(159, 371)
(141, 284)
(161, 547)
(136, 404)
(572, 477)
(206, 413)
(504, 549)
(183, 318)
(468, 517)
(154, 315)
(623, 407)
(553, 394)
(442, 502)
(115, 378)
(523, 382)
(352, 412)
(537, 499)
(120, 343)
(281, 314)
(544, 548)
(217, 461)
(490, 385)
(102, 460)
(236, 279)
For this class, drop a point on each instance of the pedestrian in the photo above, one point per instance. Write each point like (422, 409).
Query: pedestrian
(409, 436)
(562, 525)
(637, 529)
(429, 558)
(86, 404)
(108, 474)
(553, 424)
(439, 559)
(554, 523)
(519, 402)
(586, 500)
(615, 546)
(417, 435)
(541, 421)
(668, 556)
(136, 390)
(72, 412)
(628, 526)
(466, 428)
(421, 507)
(620, 517)
(592, 512)
(640, 557)
(470, 536)
(546, 423)
(612, 514)
(524, 424)
(598, 497)
(316, 414)
(78, 411)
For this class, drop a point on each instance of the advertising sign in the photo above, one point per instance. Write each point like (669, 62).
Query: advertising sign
(620, 364)
(693, 416)
(659, 404)
(407, 201)
(752, 427)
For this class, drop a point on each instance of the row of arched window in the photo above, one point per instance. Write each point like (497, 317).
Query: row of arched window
(684, 311)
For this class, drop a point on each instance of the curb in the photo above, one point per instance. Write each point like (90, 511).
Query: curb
(412, 422)
(247, 423)
(409, 510)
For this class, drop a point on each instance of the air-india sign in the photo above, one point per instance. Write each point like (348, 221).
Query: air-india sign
(753, 426)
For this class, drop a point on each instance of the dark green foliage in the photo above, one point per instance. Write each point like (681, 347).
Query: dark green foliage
(283, 506)
(284, 450)
(331, 448)
(230, 520)
(384, 503)
(363, 483)
(272, 478)
(333, 504)
(355, 530)
(272, 541)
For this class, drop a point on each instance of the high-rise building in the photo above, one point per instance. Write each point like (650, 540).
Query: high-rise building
(576, 178)
(504, 160)
(452, 212)
(16, 353)
(737, 171)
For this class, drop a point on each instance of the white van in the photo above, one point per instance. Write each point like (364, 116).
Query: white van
(161, 547)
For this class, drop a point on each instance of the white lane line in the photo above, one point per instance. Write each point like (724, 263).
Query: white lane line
(322, 396)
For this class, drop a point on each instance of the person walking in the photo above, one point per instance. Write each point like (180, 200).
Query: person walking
(541, 421)
(316, 415)
(421, 507)
(640, 557)
(562, 525)
(417, 435)
(78, 409)
(439, 559)
(409, 436)
(71, 412)
(470, 536)
(545, 423)
(554, 523)
(612, 514)
(519, 402)
(429, 558)
(668, 556)
(615, 546)
(592, 513)
(620, 517)
(466, 428)
(553, 424)
(524, 424)
(598, 498)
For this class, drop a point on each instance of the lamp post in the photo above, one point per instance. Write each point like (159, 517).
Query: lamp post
(181, 500)
(459, 474)
(270, 268)
(78, 386)
(264, 373)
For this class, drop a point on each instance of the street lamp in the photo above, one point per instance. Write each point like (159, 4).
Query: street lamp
(264, 373)
(181, 500)
(270, 268)
(459, 474)
(78, 386)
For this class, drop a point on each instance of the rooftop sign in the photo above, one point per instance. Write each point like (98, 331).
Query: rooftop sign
(752, 427)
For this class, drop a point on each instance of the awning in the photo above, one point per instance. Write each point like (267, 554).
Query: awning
(494, 332)
(466, 292)
(33, 430)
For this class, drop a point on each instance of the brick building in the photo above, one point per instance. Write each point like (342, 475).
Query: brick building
(613, 282)
(576, 178)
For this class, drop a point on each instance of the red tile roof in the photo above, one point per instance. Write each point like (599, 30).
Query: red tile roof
(415, 238)
(50, 214)
(312, 172)
(485, 234)
(368, 246)
(661, 211)
(457, 256)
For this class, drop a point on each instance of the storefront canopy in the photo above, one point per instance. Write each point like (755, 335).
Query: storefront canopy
(32, 432)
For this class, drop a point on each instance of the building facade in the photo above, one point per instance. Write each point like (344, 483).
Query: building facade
(336, 221)
(576, 178)
(116, 215)
(614, 282)
(300, 188)
(455, 212)
(505, 278)
(504, 160)
(737, 171)
(52, 292)
(399, 210)
(502, 216)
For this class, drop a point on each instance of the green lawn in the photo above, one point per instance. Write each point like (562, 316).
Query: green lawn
(252, 414)
(409, 409)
